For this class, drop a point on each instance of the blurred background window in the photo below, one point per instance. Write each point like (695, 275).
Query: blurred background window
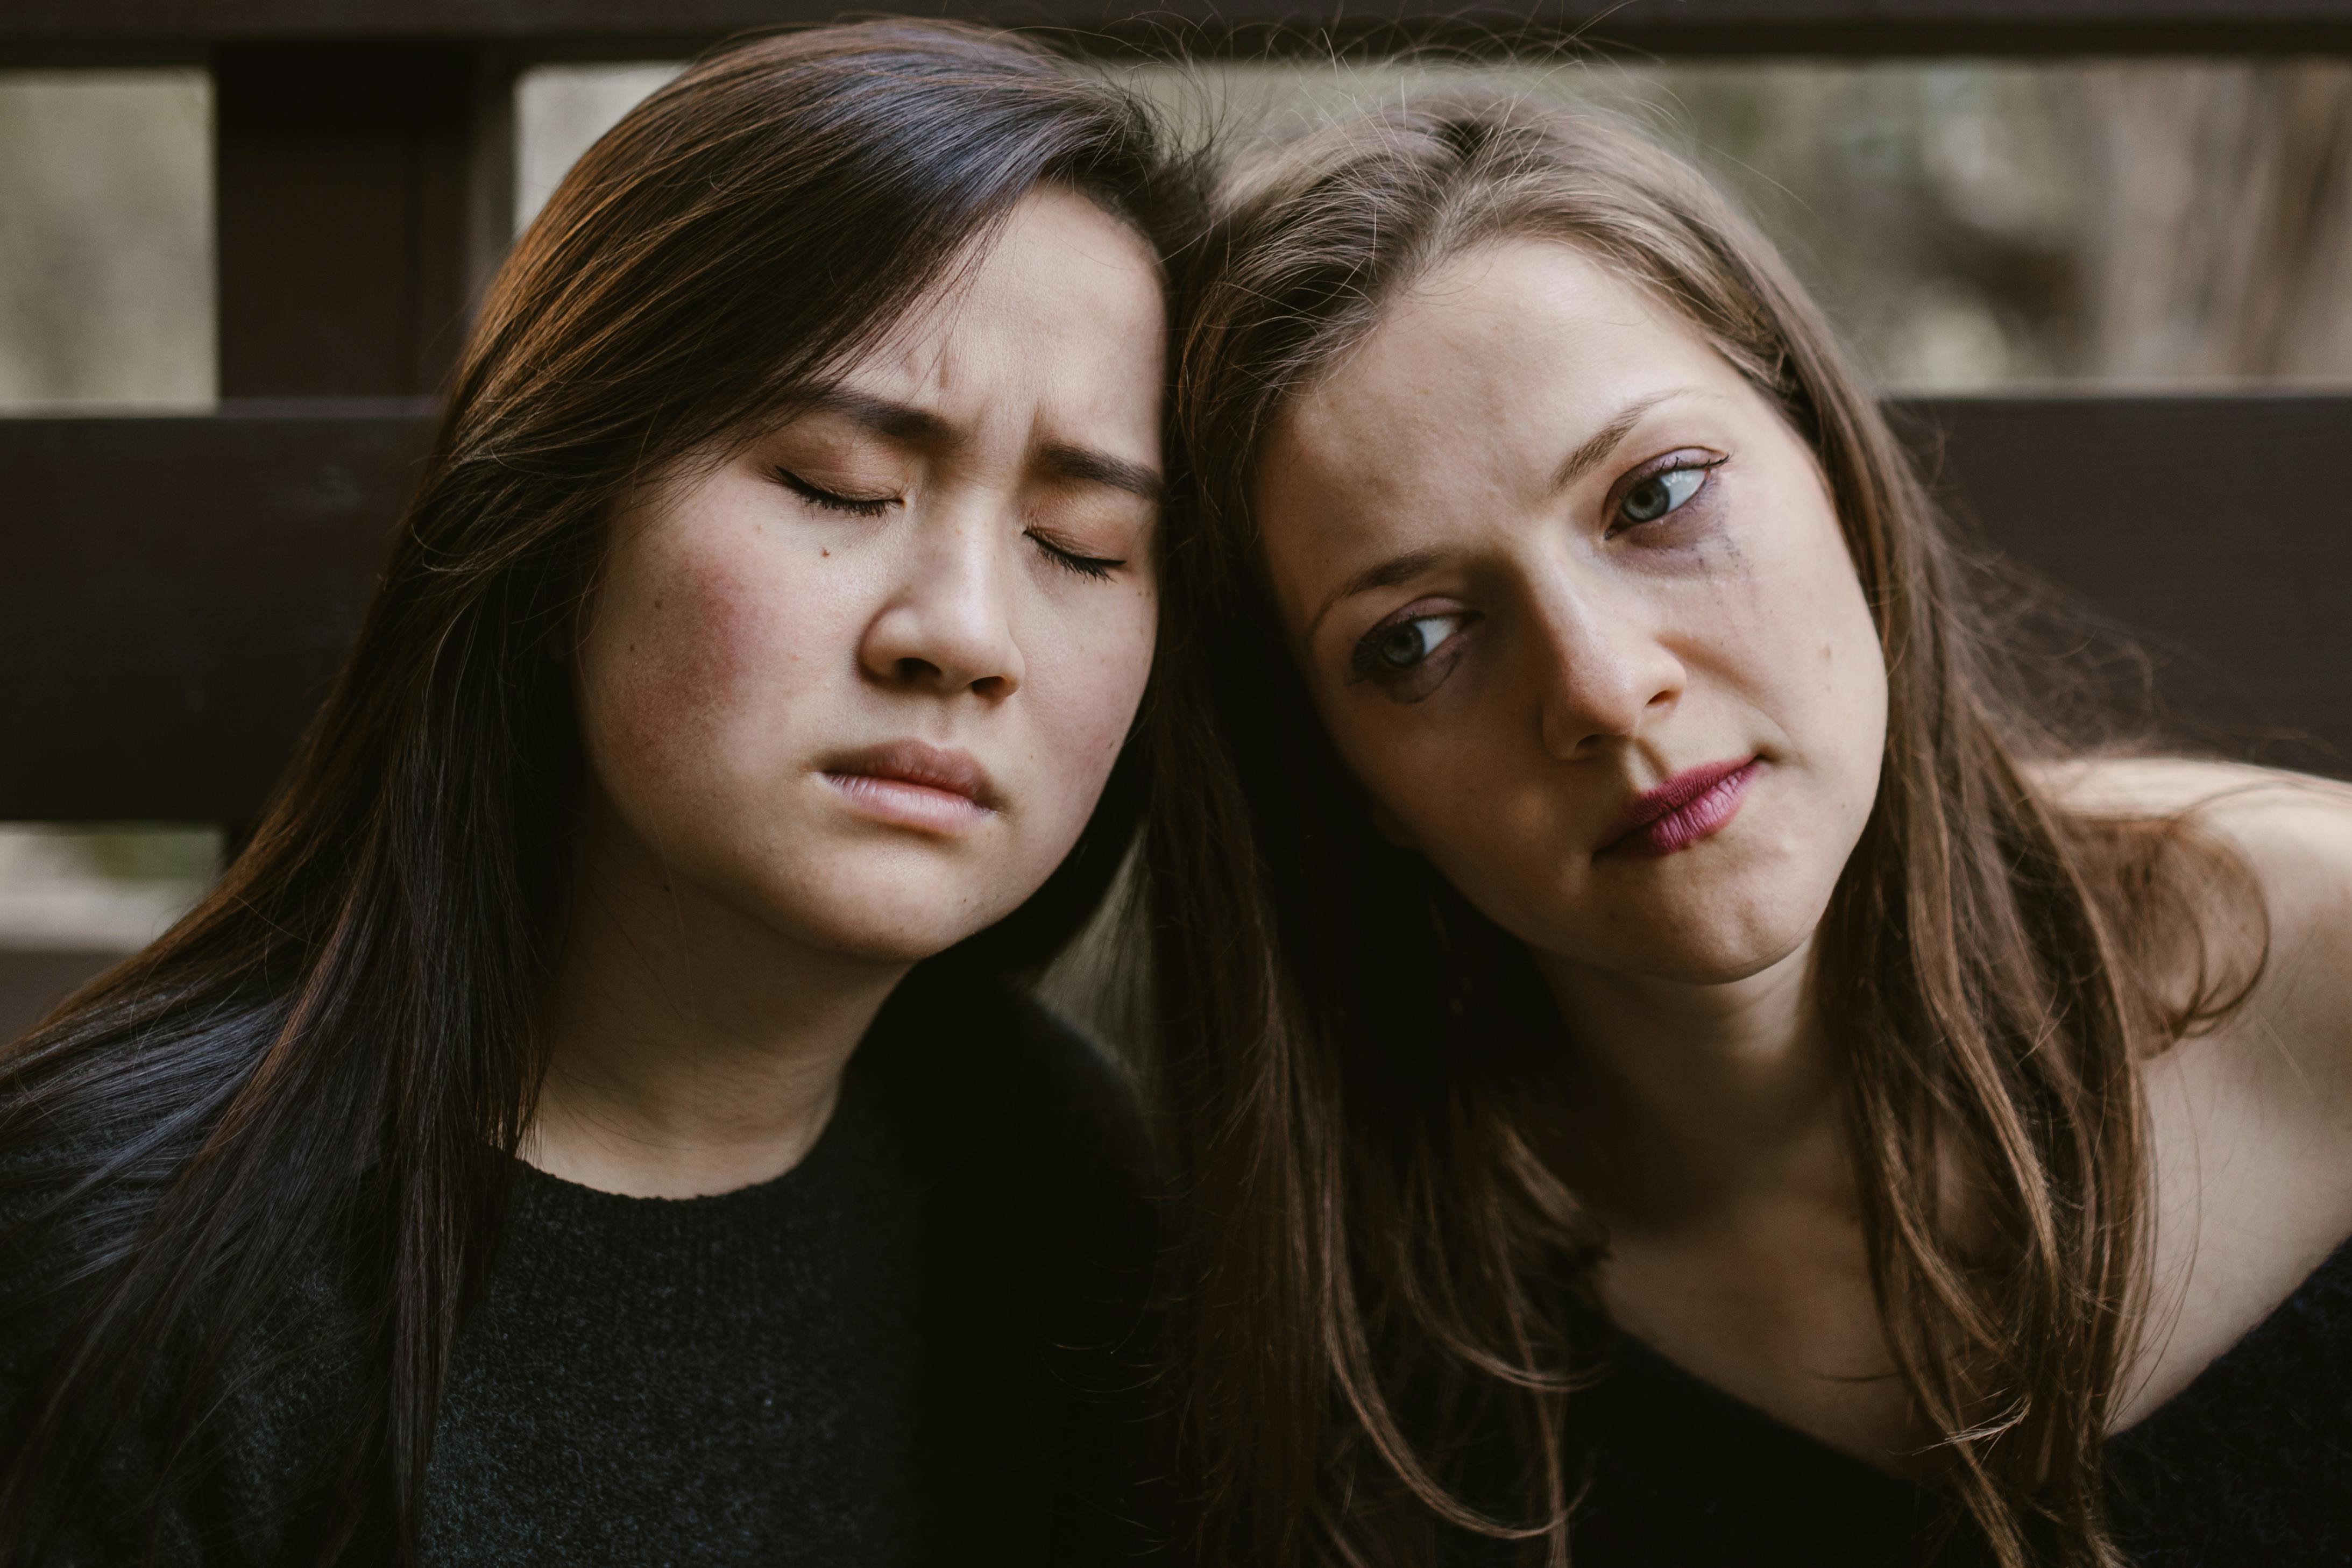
(1969, 225)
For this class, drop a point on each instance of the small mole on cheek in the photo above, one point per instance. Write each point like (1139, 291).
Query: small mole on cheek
(826, 553)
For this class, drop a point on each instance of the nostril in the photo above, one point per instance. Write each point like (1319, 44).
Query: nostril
(914, 670)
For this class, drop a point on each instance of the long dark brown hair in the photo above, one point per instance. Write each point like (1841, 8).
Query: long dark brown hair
(1383, 1262)
(332, 1056)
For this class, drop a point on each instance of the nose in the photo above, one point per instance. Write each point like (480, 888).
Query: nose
(947, 627)
(1607, 672)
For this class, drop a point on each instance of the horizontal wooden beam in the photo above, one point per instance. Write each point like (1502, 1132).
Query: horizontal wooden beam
(176, 594)
(92, 32)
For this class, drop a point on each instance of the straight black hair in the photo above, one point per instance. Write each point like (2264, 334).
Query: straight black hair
(327, 1065)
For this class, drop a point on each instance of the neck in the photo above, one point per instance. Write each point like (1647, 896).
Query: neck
(692, 1048)
(1692, 1099)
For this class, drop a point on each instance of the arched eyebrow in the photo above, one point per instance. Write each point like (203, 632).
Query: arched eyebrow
(1603, 441)
(1388, 573)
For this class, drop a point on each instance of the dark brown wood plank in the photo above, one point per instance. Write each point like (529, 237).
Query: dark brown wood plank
(357, 188)
(2214, 530)
(83, 31)
(176, 593)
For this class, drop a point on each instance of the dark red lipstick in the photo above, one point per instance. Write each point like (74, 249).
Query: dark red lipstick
(1686, 808)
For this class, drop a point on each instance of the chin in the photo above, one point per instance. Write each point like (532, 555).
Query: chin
(877, 931)
(886, 913)
(1714, 944)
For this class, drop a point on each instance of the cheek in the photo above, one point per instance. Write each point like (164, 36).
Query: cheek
(1798, 646)
(1086, 677)
(694, 648)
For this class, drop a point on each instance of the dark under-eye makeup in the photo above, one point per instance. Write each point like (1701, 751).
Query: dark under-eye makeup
(1660, 487)
(1409, 653)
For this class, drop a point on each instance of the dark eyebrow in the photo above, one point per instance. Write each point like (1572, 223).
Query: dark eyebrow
(918, 427)
(1587, 457)
(897, 421)
(1397, 568)
(1085, 464)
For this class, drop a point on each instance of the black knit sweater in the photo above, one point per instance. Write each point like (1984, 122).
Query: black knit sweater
(921, 1345)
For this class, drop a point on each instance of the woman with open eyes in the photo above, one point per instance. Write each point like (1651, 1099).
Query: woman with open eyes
(1671, 1061)
(598, 1119)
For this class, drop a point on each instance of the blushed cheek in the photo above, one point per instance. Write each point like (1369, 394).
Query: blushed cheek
(686, 673)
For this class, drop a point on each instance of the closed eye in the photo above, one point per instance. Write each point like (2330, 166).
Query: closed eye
(830, 501)
(1098, 567)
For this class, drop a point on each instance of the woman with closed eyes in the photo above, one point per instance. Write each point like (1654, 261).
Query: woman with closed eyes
(598, 1118)
(1671, 1061)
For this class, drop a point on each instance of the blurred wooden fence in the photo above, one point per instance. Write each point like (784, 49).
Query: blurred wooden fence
(175, 592)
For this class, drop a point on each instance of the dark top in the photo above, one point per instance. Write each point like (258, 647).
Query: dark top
(2251, 1463)
(920, 1345)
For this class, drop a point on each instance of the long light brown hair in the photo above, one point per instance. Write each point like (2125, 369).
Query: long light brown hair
(1356, 1063)
(333, 1056)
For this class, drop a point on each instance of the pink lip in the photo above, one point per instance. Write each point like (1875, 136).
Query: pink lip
(914, 785)
(1686, 808)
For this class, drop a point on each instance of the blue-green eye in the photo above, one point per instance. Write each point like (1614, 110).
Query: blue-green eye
(1403, 645)
(1652, 497)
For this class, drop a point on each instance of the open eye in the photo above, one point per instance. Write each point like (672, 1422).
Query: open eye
(1400, 646)
(1408, 642)
(1653, 497)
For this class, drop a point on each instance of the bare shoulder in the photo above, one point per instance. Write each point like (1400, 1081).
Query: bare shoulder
(2293, 831)
(2230, 793)
(2250, 1124)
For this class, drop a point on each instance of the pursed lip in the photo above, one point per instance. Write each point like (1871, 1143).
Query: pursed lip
(955, 779)
(1655, 805)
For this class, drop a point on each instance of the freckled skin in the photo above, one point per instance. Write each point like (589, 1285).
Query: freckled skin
(744, 634)
(1592, 657)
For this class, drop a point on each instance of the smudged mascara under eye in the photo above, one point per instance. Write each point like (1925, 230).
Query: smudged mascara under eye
(1408, 655)
(1661, 487)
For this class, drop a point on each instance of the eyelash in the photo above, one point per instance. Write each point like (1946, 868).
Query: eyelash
(1363, 661)
(1683, 462)
(848, 506)
(1095, 568)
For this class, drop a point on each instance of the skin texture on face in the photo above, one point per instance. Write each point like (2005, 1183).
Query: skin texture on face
(1539, 549)
(953, 549)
